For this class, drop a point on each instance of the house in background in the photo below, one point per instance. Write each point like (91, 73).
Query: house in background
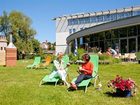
(47, 47)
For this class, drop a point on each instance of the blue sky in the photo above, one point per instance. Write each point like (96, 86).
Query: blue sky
(41, 12)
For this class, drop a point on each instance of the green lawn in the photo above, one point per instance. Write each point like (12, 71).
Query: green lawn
(20, 86)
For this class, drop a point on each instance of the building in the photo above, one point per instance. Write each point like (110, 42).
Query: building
(119, 28)
(44, 46)
(3, 42)
(3, 45)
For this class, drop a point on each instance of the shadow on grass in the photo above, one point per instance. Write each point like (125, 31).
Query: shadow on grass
(110, 94)
(70, 89)
(113, 94)
(60, 83)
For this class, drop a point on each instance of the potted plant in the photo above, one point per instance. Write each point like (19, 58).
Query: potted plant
(123, 87)
(138, 56)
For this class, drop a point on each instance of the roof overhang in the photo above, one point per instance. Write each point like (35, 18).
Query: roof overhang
(135, 20)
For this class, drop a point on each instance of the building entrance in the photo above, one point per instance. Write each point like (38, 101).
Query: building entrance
(128, 45)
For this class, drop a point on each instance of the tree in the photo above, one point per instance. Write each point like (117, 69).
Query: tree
(4, 24)
(23, 33)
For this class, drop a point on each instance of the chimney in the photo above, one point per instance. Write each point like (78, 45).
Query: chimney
(11, 53)
(11, 45)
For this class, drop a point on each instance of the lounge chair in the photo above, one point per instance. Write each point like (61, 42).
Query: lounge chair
(45, 64)
(94, 59)
(56, 77)
(36, 63)
(47, 61)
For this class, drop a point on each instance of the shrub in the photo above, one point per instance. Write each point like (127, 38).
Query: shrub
(109, 59)
(138, 55)
(104, 56)
(73, 58)
(80, 51)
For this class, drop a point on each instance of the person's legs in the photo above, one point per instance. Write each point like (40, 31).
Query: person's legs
(87, 77)
(63, 74)
(80, 78)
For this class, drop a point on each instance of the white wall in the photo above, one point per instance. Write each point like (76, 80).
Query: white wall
(61, 45)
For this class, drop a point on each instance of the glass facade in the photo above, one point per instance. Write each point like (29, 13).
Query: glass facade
(127, 39)
(102, 18)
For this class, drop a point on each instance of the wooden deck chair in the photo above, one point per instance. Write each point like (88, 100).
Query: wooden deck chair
(56, 78)
(94, 59)
(37, 61)
(47, 60)
(46, 63)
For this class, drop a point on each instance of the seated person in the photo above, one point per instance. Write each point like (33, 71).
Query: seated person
(108, 52)
(60, 70)
(113, 52)
(85, 70)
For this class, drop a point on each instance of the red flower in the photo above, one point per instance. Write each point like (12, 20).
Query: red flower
(122, 84)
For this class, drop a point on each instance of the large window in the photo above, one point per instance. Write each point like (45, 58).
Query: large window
(115, 33)
(102, 18)
(108, 34)
(115, 43)
(101, 36)
(113, 17)
(86, 39)
(107, 17)
(138, 30)
(132, 31)
(122, 32)
(139, 43)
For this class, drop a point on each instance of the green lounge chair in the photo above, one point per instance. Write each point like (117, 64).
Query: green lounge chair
(37, 61)
(85, 83)
(56, 78)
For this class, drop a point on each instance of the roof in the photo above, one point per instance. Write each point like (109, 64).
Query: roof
(80, 15)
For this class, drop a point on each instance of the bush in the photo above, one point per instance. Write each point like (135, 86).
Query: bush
(80, 51)
(104, 58)
(73, 58)
(138, 55)
(29, 56)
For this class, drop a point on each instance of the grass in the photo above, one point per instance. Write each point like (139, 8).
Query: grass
(20, 86)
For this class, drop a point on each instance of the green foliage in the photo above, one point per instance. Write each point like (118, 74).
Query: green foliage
(106, 58)
(29, 56)
(4, 24)
(80, 51)
(73, 58)
(116, 60)
(23, 33)
(138, 55)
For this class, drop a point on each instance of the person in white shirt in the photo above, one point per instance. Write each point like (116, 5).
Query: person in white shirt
(59, 69)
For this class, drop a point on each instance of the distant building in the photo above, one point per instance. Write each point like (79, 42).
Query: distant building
(44, 46)
(3, 45)
(3, 42)
(113, 28)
